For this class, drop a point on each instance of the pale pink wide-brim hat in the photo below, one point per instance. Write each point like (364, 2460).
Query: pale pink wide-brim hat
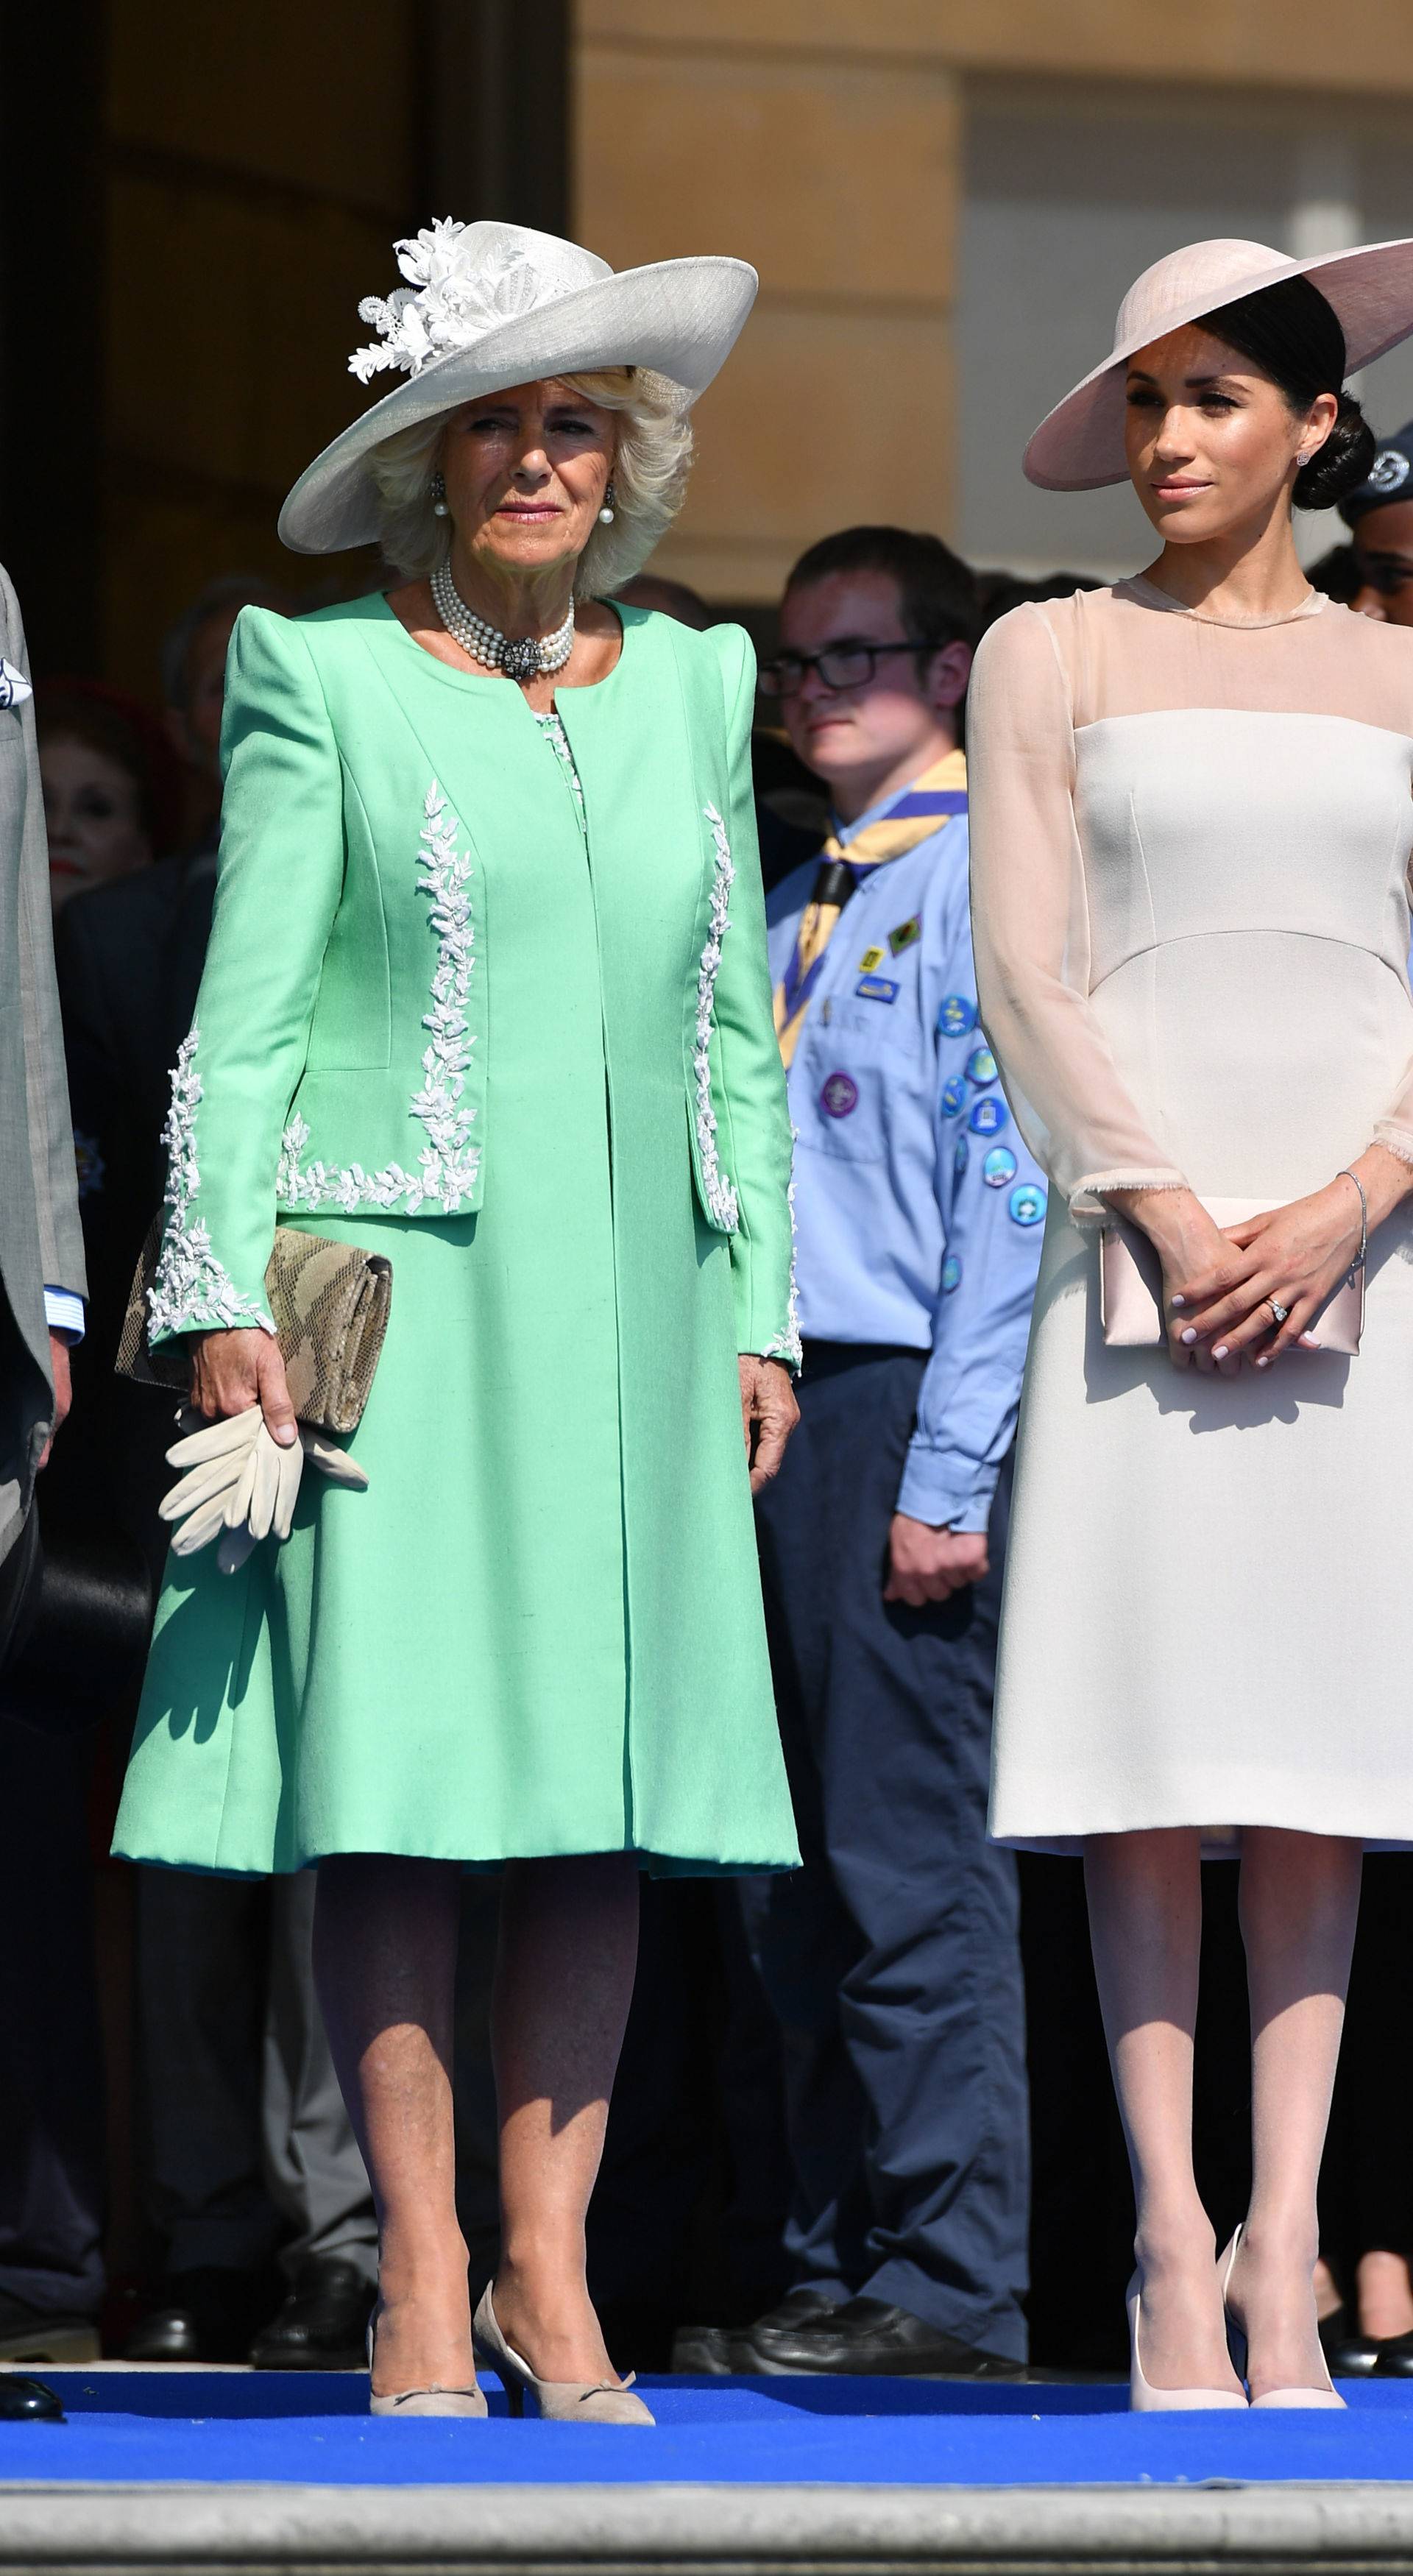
(1080, 444)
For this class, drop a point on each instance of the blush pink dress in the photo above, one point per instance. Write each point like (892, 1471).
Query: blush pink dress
(1190, 851)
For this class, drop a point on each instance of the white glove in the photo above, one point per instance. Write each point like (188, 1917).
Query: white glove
(240, 1484)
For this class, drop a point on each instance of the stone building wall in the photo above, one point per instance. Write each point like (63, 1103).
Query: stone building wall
(835, 143)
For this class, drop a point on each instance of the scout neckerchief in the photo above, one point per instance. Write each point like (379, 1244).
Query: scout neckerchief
(912, 817)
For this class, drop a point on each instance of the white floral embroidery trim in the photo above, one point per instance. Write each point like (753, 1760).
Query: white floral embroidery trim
(191, 1291)
(787, 1345)
(449, 1162)
(722, 1203)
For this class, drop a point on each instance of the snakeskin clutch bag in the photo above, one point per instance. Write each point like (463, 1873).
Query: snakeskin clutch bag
(330, 1303)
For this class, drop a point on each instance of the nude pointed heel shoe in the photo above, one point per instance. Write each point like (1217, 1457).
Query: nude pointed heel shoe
(423, 2401)
(1327, 2397)
(560, 2401)
(1145, 2400)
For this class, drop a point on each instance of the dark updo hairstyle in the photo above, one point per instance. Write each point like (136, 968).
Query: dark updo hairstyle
(1296, 337)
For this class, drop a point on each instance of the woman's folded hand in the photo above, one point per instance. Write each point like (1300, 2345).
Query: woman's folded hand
(1219, 1282)
(1295, 1255)
(1201, 1266)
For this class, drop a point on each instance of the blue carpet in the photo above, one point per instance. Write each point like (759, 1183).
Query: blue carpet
(197, 2427)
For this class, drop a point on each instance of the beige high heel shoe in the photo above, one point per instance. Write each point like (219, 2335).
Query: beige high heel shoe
(1146, 2400)
(560, 2401)
(1327, 2397)
(422, 2401)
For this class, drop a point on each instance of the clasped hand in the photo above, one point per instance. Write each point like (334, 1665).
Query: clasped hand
(1218, 1281)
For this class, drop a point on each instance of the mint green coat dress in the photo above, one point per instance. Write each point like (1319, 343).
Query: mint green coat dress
(496, 1005)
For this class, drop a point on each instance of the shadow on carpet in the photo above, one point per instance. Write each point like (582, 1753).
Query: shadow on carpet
(313, 2428)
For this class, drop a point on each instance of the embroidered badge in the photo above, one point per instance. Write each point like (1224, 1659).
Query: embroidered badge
(904, 936)
(999, 1167)
(954, 1096)
(988, 1118)
(876, 988)
(957, 1017)
(871, 958)
(1027, 1204)
(981, 1067)
(15, 689)
(951, 1274)
(840, 1096)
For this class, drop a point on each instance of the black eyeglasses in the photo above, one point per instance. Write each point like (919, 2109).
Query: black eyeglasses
(840, 666)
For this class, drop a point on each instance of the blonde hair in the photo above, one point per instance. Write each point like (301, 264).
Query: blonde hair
(651, 463)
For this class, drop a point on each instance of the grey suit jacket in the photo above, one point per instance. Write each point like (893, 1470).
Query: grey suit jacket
(40, 1241)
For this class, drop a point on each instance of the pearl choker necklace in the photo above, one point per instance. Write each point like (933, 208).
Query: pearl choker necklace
(522, 659)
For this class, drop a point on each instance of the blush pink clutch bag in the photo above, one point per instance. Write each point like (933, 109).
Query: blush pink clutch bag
(1131, 1286)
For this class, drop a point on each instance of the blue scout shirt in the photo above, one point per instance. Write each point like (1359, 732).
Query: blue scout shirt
(918, 1211)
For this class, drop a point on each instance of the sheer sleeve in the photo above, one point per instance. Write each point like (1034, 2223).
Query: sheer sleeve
(1030, 926)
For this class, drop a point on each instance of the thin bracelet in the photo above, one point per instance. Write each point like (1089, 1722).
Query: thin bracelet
(1344, 1174)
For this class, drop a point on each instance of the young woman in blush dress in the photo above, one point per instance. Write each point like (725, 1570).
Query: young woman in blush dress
(1192, 823)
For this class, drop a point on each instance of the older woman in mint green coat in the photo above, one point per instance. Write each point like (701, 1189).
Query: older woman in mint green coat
(487, 992)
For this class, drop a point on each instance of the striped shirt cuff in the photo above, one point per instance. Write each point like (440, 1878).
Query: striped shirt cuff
(64, 1314)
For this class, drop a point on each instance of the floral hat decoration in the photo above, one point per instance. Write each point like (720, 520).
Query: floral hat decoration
(489, 305)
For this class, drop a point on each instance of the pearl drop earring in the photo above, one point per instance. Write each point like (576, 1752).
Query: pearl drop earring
(607, 513)
(437, 488)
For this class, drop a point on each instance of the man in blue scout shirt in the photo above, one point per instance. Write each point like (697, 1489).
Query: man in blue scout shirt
(892, 1959)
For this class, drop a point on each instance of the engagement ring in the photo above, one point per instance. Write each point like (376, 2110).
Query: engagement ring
(1280, 1312)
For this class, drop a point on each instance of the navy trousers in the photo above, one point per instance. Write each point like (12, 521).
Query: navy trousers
(892, 1958)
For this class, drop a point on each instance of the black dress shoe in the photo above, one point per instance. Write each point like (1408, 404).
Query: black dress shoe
(27, 2334)
(323, 2324)
(868, 2338)
(27, 2401)
(1393, 2357)
(1350, 2355)
(719, 2350)
(704, 2352)
(206, 2314)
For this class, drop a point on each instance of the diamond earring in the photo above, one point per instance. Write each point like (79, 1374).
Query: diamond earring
(437, 488)
(607, 514)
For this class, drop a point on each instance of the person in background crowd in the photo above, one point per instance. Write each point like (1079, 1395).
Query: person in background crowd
(112, 788)
(1380, 517)
(669, 598)
(246, 2146)
(997, 592)
(1366, 2181)
(892, 1960)
(51, 2276)
(1337, 575)
(193, 668)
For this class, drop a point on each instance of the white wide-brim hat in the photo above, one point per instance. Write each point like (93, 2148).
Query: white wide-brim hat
(490, 305)
(1080, 444)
